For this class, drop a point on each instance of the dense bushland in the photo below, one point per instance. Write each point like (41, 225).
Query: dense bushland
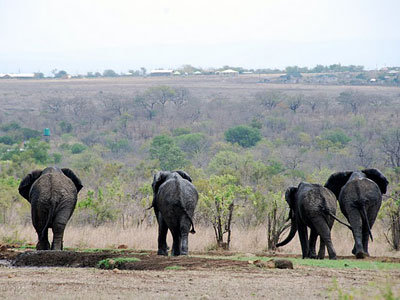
(243, 150)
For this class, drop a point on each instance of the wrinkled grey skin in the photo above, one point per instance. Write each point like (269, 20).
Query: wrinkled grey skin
(174, 201)
(313, 206)
(360, 197)
(52, 194)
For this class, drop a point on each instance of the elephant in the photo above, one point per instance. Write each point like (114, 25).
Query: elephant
(360, 197)
(174, 201)
(52, 193)
(311, 205)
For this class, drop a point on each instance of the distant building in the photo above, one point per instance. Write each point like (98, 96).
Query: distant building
(161, 72)
(228, 72)
(17, 76)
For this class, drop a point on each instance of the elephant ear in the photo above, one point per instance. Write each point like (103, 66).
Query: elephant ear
(71, 175)
(26, 183)
(290, 197)
(158, 180)
(376, 176)
(184, 175)
(336, 181)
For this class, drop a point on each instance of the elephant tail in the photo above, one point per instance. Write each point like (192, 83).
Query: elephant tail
(363, 214)
(190, 219)
(179, 190)
(341, 222)
(49, 218)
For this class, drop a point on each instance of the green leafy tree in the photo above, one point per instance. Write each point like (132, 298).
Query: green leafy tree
(97, 208)
(8, 196)
(192, 143)
(169, 155)
(390, 213)
(109, 73)
(244, 135)
(77, 148)
(66, 127)
(218, 198)
(331, 139)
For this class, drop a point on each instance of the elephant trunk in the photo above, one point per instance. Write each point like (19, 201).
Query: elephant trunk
(291, 235)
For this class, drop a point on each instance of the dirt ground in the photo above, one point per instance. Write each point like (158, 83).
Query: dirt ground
(73, 276)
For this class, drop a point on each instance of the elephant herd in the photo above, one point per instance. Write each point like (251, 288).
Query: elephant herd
(53, 192)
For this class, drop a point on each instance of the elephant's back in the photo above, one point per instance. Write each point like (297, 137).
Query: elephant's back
(177, 192)
(318, 199)
(53, 186)
(360, 190)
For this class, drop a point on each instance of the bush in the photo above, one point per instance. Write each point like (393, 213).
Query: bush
(169, 155)
(77, 148)
(245, 136)
(10, 126)
(8, 140)
(118, 146)
(28, 133)
(66, 127)
(192, 143)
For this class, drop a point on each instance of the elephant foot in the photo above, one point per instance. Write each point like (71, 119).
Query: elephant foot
(43, 246)
(361, 255)
(162, 252)
(333, 257)
(175, 253)
(312, 255)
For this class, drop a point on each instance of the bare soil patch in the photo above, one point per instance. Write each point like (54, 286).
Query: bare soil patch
(158, 277)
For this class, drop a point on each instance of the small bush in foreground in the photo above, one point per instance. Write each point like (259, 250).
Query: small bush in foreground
(112, 263)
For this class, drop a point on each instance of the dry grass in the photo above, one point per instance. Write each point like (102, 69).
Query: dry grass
(252, 240)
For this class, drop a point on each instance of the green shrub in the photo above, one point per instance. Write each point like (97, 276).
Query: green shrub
(57, 157)
(66, 127)
(10, 126)
(192, 143)
(77, 148)
(180, 131)
(8, 140)
(169, 155)
(245, 136)
(112, 263)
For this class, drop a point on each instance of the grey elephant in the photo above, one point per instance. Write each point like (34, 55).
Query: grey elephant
(360, 197)
(52, 193)
(313, 206)
(175, 199)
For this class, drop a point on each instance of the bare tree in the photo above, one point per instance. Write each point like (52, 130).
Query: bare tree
(53, 105)
(116, 104)
(295, 102)
(181, 96)
(269, 99)
(148, 104)
(352, 99)
(391, 147)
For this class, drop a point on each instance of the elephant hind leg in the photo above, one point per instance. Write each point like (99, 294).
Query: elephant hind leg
(58, 235)
(162, 236)
(303, 235)
(321, 252)
(176, 244)
(325, 235)
(313, 241)
(43, 240)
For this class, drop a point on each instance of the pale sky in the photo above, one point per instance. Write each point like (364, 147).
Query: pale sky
(92, 35)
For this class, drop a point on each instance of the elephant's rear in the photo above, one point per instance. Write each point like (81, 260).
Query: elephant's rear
(51, 194)
(360, 193)
(177, 200)
(319, 200)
